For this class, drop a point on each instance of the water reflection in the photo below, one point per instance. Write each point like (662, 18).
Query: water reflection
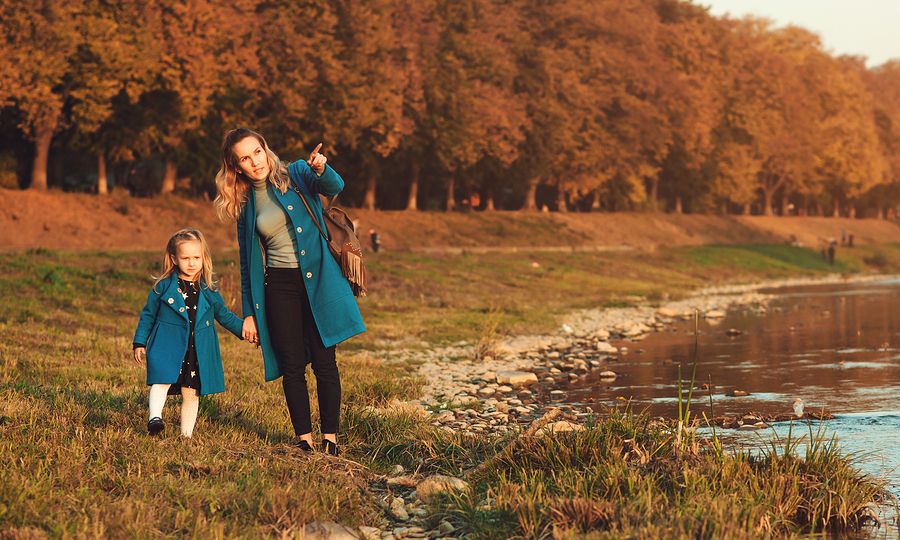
(833, 346)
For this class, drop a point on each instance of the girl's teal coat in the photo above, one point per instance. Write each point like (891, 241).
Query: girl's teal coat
(332, 302)
(164, 329)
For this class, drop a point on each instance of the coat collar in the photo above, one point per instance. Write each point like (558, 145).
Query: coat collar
(171, 297)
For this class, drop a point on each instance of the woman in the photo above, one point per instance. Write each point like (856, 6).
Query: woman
(297, 304)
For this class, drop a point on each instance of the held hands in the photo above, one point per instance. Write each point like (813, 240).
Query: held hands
(248, 331)
(317, 161)
(140, 354)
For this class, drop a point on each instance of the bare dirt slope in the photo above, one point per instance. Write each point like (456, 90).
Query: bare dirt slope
(78, 221)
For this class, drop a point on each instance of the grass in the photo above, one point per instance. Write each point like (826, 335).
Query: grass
(78, 462)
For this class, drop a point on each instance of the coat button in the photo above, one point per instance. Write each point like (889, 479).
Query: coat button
(299, 229)
(308, 275)
(290, 207)
(302, 252)
(181, 310)
(257, 306)
(207, 323)
(171, 300)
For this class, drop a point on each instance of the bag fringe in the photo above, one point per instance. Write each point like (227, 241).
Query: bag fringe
(353, 269)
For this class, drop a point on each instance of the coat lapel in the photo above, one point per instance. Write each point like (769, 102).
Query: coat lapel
(172, 298)
(202, 302)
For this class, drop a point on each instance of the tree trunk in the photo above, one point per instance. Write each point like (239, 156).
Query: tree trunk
(102, 185)
(530, 203)
(678, 206)
(42, 152)
(451, 195)
(784, 204)
(411, 203)
(653, 196)
(595, 202)
(817, 207)
(746, 209)
(851, 212)
(168, 183)
(880, 212)
(369, 198)
(837, 210)
(489, 202)
(767, 203)
(561, 201)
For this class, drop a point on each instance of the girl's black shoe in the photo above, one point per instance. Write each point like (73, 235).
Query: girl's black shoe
(304, 445)
(329, 447)
(155, 425)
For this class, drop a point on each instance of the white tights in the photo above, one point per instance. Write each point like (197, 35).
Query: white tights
(190, 404)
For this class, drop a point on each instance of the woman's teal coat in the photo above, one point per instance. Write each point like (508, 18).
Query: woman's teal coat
(332, 302)
(164, 329)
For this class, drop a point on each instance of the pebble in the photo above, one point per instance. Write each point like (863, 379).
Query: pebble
(398, 509)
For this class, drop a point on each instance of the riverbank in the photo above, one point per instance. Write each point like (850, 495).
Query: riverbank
(73, 411)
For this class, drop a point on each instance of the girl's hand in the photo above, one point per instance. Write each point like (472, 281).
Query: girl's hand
(248, 331)
(317, 161)
(140, 354)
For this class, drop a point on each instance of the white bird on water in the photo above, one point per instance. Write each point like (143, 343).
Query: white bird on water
(798, 408)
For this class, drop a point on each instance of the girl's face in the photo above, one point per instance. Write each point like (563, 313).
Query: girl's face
(251, 158)
(189, 259)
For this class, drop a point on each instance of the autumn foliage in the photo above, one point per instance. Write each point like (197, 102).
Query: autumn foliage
(439, 104)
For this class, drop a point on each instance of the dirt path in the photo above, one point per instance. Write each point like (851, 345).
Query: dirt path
(58, 220)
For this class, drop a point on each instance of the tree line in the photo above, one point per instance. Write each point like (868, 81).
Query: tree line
(433, 104)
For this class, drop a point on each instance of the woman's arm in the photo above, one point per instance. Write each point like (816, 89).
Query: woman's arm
(329, 183)
(244, 256)
(147, 318)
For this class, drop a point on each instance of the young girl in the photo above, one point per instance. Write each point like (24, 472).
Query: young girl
(176, 333)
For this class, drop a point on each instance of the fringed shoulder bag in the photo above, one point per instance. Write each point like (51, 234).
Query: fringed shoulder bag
(342, 242)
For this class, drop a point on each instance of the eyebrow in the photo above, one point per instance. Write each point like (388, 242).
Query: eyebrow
(258, 147)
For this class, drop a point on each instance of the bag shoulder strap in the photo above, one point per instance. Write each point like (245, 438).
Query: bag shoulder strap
(309, 209)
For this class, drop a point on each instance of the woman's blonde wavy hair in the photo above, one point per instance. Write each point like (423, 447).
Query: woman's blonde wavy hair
(232, 185)
(169, 266)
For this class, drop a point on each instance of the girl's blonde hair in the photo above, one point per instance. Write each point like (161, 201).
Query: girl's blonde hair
(169, 266)
(232, 185)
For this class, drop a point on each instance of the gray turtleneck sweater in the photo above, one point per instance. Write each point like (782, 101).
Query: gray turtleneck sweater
(272, 226)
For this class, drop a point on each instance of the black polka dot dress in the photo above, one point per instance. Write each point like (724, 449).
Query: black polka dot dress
(190, 371)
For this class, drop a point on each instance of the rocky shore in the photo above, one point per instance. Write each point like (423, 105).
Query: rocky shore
(521, 377)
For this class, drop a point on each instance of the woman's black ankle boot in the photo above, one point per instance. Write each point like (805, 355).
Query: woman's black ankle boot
(329, 447)
(304, 445)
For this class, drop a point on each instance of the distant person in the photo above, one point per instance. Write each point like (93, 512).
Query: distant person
(175, 333)
(297, 304)
(832, 246)
(374, 240)
(850, 240)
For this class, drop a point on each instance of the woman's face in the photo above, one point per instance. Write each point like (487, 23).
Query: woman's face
(251, 158)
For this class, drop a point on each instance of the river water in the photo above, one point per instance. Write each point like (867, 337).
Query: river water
(836, 347)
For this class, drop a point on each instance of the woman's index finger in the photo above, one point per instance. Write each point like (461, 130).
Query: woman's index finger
(316, 151)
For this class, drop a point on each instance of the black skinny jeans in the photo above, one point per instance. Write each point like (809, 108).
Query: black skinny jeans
(296, 340)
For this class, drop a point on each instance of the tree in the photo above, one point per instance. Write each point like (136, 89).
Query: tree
(41, 43)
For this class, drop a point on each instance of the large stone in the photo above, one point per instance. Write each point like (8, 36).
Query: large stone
(516, 378)
(608, 375)
(327, 530)
(667, 312)
(434, 485)
(560, 427)
(370, 533)
(605, 347)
